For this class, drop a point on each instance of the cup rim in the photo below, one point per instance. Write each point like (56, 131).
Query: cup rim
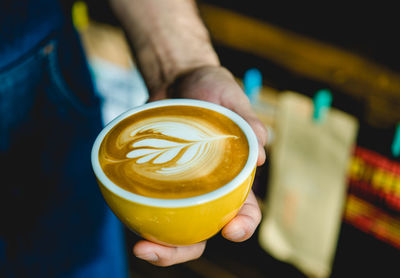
(180, 202)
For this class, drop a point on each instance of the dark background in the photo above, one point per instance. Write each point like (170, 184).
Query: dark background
(369, 30)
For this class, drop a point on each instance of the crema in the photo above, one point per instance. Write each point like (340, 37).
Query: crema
(173, 152)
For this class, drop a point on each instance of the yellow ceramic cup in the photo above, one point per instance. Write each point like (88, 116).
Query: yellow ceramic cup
(179, 221)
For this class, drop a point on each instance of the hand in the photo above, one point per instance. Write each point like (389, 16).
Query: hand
(217, 85)
(238, 229)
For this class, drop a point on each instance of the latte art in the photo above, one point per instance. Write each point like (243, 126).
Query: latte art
(173, 148)
(173, 152)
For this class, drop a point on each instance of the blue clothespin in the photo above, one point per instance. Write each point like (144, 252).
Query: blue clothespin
(252, 82)
(396, 142)
(322, 102)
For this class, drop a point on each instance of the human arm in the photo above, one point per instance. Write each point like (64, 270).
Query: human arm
(173, 51)
(168, 39)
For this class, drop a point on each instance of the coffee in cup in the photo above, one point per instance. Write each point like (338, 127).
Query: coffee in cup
(175, 171)
(173, 152)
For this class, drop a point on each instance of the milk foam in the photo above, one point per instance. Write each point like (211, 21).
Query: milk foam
(173, 152)
(168, 148)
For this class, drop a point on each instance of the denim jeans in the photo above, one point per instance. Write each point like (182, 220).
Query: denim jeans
(54, 222)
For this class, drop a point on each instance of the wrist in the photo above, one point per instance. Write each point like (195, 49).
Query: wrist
(168, 39)
(162, 68)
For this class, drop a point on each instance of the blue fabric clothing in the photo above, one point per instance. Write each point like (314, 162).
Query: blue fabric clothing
(24, 24)
(54, 221)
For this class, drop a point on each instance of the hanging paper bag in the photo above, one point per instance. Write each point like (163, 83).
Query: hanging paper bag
(307, 186)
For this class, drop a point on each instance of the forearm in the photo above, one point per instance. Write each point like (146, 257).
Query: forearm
(168, 39)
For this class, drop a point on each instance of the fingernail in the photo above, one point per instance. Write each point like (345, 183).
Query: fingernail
(236, 235)
(152, 257)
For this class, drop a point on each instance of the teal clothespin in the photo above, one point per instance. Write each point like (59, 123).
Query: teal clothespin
(396, 142)
(252, 82)
(322, 102)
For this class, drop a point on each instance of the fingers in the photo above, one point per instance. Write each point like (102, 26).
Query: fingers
(259, 130)
(245, 223)
(262, 137)
(241, 105)
(239, 229)
(217, 85)
(165, 256)
(258, 127)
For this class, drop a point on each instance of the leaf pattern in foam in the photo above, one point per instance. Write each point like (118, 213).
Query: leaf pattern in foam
(174, 147)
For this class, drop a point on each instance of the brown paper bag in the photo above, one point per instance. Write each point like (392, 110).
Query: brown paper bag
(307, 186)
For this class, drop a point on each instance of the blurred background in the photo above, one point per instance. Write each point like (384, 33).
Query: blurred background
(351, 50)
